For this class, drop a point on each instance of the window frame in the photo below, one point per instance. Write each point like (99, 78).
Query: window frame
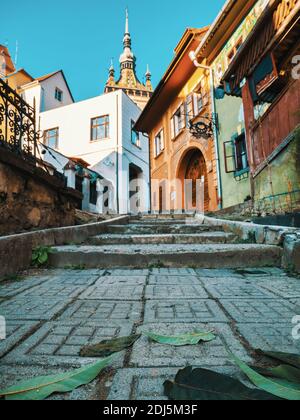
(178, 124)
(46, 137)
(237, 170)
(137, 134)
(59, 94)
(105, 124)
(159, 137)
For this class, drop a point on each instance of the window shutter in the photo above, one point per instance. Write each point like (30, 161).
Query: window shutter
(229, 156)
(183, 115)
(172, 128)
(162, 140)
(195, 100)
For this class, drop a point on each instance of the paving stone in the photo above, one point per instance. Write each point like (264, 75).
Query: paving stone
(260, 311)
(121, 280)
(221, 288)
(170, 280)
(258, 272)
(147, 384)
(10, 375)
(287, 288)
(180, 311)
(204, 273)
(33, 308)
(59, 343)
(173, 271)
(128, 272)
(83, 281)
(271, 336)
(116, 292)
(13, 288)
(147, 353)
(53, 290)
(166, 292)
(15, 332)
(97, 310)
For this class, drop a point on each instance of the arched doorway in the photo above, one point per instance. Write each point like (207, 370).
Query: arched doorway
(193, 176)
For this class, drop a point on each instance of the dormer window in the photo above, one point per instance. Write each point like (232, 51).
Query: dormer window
(58, 95)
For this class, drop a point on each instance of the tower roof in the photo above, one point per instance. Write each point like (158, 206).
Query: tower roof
(128, 80)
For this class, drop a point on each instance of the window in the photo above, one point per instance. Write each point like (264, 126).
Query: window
(178, 121)
(241, 158)
(135, 137)
(58, 95)
(235, 152)
(100, 128)
(159, 143)
(51, 138)
(93, 192)
(190, 107)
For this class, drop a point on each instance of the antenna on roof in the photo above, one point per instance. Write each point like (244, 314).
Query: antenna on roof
(17, 52)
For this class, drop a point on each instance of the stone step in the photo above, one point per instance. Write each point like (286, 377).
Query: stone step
(145, 256)
(150, 229)
(196, 238)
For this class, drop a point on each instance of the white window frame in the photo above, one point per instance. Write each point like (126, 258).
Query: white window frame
(159, 143)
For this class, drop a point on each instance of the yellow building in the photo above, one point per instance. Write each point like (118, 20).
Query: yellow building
(181, 100)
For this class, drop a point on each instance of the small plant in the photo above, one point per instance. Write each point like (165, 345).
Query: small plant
(40, 256)
(79, 267)
(159, 264)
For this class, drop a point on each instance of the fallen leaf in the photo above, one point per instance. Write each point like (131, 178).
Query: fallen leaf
(181, 340)
(108, 347)
(287, 358)
(206, 385)
(289, 373)
(280, 388)
(42, 387)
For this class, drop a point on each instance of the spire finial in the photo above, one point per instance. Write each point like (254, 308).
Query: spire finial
(127, 22)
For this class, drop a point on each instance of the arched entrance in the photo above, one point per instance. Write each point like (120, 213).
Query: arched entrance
(193, 176)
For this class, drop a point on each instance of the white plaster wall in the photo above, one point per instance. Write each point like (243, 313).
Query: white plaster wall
(104, 156)
(49, 86)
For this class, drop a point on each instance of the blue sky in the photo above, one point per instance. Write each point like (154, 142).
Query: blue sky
(80, 37)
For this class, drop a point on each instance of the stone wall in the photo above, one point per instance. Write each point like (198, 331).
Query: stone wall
(30, 198)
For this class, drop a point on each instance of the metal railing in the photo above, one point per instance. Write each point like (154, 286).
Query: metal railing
(17, 123)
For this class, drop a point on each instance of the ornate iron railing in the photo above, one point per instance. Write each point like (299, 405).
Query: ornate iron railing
(17, 123)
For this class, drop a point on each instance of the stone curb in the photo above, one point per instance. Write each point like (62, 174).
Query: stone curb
(16, 250)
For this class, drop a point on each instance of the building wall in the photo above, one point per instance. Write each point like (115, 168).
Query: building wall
(284, 173)
(231, 121)
(48, 93)
(109, 156)
(167, 165)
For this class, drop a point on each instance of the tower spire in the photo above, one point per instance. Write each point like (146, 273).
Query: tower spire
(127, 59)
(127, 22)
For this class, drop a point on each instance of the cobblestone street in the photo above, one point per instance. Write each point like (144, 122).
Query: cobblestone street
(51, 314)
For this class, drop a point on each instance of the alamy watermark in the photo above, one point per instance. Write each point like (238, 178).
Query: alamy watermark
(296, 67)
(2, 328)
(296, 329)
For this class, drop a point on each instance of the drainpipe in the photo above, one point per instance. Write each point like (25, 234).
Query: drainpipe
(193, 57)
(150, 175)
(117, 158)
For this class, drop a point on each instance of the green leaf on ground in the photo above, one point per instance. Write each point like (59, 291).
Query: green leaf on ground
(183, 339)
(108, 347)
(288, 373)
(278, 387)
(286, 358)
(206, 385)
(42, 387)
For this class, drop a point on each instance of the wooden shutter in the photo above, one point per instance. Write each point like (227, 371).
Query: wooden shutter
(183, 115)
(195, 100)
(162, 140)
(172, 128)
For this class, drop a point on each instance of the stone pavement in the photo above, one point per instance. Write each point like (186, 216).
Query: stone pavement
(51, 314)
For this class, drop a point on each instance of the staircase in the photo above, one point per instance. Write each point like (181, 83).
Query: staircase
(165, 241)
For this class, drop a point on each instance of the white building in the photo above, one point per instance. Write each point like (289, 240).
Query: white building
(99, 131)
(111, 159)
